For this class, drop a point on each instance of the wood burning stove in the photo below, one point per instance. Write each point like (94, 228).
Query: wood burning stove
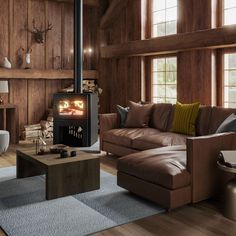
(76, 114)
(75, 119)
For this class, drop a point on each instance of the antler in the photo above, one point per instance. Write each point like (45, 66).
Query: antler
(39, 30)
(50, 27)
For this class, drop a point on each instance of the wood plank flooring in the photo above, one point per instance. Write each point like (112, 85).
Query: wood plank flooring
(192, 220)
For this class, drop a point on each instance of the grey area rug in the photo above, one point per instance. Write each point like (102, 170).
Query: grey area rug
(25, 212)
(95, 148)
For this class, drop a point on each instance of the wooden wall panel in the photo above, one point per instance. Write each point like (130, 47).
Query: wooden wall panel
(52, 87)
(19, 32)
(4, 29)
(90, 21)
(18, 96)
(196, 77)
(194, 15)
(36, 101)
(121, 78)
(105, 83)
(38, 50)
(67, 36)
(53, 38)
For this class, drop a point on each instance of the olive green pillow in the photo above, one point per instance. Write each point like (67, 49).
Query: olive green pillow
(185, 118)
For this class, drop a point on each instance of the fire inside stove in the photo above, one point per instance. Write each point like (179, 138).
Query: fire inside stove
(71, 108)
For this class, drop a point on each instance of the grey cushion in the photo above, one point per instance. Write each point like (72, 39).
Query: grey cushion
(229, 124)
(123, 111)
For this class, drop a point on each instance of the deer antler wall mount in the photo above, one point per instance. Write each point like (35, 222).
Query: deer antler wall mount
(39, 33)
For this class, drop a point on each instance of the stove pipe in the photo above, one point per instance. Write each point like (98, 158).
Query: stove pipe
(78, 46)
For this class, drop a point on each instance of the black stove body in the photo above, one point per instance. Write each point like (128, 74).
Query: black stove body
(75, 119)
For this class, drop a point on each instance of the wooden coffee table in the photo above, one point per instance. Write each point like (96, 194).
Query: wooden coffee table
(64, 176)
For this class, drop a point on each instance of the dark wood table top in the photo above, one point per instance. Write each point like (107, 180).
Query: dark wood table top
(50, 159)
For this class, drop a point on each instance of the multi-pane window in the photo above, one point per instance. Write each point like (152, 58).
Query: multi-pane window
(229, 10)
(230, 80)
(164, 17)
(164, 80)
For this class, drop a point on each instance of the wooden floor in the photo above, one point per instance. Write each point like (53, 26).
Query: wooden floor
(191, 220)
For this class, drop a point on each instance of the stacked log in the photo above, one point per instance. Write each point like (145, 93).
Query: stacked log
(43, 129)
(32, 131)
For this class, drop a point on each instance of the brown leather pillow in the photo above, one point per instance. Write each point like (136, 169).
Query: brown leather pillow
(138, 116)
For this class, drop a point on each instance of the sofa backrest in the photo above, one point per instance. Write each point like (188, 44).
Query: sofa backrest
(208, 119)
(160, 116)
(203, 120)
(218, 115)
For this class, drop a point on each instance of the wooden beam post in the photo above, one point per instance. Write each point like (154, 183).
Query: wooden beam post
(112, 13)
(203, 39)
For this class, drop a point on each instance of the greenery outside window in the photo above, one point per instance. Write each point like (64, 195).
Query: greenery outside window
(164, 17)
(164, 80)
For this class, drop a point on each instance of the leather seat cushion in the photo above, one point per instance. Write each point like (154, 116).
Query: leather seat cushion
(163, 166)
(125, 136)
(162, 139)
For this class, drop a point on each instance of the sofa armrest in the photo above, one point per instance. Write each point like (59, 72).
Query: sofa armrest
(107, 121)
(202, 154)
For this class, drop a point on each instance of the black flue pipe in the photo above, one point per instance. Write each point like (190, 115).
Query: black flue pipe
(78, 46)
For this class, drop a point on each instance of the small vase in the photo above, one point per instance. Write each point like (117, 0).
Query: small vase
(6, 63)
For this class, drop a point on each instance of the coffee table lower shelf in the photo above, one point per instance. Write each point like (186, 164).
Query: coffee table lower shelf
(63, 176)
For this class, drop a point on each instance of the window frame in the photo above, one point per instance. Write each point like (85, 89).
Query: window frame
(150, 9)
(222, 87)
(221, 14)
(150, 90)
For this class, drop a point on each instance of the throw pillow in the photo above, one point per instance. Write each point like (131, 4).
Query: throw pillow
(138, 116)
(185, 118)
(229, 124)
(123, 112)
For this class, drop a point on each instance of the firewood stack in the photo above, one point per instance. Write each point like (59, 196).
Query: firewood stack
(31, 131)
(43, 129)
(47, 125)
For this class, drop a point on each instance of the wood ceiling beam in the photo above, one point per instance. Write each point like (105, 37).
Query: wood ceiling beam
(113, 11)
(204, 39)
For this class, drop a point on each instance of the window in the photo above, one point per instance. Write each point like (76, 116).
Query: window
(230, 80)
(164, 80)
(164, 17)
(229, 12)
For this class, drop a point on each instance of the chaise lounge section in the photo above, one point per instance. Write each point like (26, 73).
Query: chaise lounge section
(173, 175)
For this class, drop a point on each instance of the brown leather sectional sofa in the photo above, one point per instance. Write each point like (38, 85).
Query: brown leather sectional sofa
(167, 168)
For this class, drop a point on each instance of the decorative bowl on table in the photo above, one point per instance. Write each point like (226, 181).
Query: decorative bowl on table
(56, 149)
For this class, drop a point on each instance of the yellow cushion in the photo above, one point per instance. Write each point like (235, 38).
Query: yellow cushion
(185, 117)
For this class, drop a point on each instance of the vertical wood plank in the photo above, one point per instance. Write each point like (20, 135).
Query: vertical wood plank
(4, 29)
(195, 74)
(10, 31)
(67, 36)
(52, 87)
(18, 96)
(195, 68)
(53, 39)
(19, 33)
(36, 101)
(38, 50)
